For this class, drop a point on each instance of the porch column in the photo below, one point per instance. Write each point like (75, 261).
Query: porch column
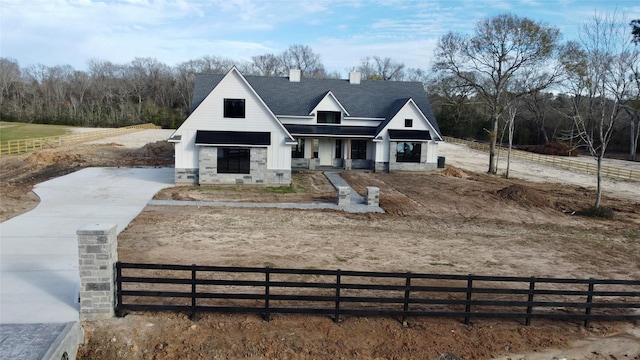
(347, 159)
(312, 162)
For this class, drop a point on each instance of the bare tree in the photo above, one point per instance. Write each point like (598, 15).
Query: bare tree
(268, 65)
(377, 68)
(303, 58)
(600, 69)
(489, 60)
(10, 84)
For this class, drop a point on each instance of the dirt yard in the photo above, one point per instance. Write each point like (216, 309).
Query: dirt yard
(449, 221)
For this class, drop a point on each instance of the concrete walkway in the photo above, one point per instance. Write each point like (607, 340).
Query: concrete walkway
(358, 203)
(39, 280)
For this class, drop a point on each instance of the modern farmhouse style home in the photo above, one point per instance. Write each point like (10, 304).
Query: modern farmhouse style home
(256, 129)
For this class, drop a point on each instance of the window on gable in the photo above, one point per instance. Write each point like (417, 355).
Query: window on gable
(408, 123)
(408, 152)
(358, 149)
(329, 117)
(234, 108)
(233, 160)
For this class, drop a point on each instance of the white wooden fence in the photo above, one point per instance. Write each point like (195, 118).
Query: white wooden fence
(558, 161)
(13, 147)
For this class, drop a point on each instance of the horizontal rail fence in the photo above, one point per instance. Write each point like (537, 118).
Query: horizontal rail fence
(15, 147)
(337, 293)
(557, 161)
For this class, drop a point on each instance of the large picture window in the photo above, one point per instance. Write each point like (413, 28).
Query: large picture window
(408, 152)
(297, 151)
(358, 149)
(234, 160)
(329, 117)
(234, 108)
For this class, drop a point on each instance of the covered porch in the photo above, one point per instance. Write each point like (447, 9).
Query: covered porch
(331, 146)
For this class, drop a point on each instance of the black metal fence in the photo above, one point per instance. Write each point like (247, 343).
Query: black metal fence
(339, 293)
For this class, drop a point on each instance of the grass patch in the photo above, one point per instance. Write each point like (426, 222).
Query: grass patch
(279, 189)
(597, 212)
(19, 131)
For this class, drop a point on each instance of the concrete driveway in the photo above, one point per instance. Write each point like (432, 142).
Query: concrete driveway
(39, 278)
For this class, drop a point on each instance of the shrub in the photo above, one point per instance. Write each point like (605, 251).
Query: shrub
(597, 212)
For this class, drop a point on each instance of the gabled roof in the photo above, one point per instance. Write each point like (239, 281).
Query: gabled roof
(369, 99)
(397, 106)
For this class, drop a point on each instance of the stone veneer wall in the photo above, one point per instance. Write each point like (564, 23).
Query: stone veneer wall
(258, 172)
(299, 163)
(97, 252)
(381, 167)
(186, 177)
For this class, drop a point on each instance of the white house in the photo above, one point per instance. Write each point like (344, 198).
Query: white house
(256, 129)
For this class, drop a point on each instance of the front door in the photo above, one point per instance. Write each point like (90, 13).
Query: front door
(325, 152)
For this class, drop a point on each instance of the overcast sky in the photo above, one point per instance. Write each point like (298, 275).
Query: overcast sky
(61, 32)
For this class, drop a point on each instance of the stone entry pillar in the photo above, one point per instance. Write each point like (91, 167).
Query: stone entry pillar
(344, 195)
(97, 250)
(373, 196)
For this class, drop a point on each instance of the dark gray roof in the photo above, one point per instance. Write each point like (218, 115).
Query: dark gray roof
(369, 99)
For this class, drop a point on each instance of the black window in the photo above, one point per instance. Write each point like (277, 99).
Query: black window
(297, 151)
(408, 152)
(338, 149)
(358, 149)
(329, 117)
(408, 122)
(234, 160)
(234, 108)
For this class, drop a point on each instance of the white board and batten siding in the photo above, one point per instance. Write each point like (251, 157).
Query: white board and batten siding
(209, 115)
(420, 122)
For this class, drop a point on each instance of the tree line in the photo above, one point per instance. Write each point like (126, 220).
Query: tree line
(145, 89)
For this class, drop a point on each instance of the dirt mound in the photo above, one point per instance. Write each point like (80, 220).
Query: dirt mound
(454, 172)
(158, 149)
(53, 157)
(524, 196)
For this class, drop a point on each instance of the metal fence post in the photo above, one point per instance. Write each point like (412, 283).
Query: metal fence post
(336, 317)
(193, 292)
(532, 287)
(118, 285)
(467, 308)
(407, 294)
(267, 276)
(587, 320)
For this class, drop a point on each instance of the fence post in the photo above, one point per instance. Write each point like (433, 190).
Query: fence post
(587, 320)
(407, 290)
(336, 317)
(467, 308)
(267, 314)
(193, 292)
(532, 287)
(118, 285)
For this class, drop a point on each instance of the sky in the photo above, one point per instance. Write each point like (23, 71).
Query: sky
(342, 32)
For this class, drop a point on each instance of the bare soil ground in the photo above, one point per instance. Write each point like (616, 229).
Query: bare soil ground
(449, 221)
